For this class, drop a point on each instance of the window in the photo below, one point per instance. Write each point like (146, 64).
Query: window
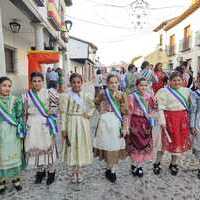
(10, 54)
(172, 45)
(187, 36)
(161, 40)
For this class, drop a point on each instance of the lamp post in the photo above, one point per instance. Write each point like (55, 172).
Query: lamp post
(15, 26)
(138, 13)
(68, 24)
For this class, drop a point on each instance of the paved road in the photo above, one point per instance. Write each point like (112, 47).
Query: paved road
(163, 187)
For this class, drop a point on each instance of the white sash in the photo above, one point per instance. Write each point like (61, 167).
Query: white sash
(77, 99)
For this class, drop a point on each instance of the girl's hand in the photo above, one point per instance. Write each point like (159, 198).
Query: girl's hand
(163, 127)
(53, 141)
(125, 132)
(85, 115)
(194, 131)
(64, 136)
(149, 131)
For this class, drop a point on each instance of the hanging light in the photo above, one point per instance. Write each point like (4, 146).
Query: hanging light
(15, 26)
(68, 24)
(138, 13)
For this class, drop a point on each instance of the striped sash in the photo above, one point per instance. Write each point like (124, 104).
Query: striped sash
(51, 119)
(114, 104)
(7, 117)
(179, 97)
(144, 108)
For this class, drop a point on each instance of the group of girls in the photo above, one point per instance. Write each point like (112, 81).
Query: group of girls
(125, 125)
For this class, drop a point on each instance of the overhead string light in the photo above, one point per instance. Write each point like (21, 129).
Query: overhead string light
(138, 14)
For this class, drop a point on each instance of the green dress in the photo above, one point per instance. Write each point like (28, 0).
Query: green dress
(10, 143)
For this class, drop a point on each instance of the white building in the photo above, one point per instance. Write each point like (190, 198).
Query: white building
(180, 37)
(41, 27)
(82, 56)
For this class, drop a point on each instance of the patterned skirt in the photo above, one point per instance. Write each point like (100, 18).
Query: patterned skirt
(177, 123)
(139, 142)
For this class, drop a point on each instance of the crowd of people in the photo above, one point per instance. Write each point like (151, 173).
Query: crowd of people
(138, 113)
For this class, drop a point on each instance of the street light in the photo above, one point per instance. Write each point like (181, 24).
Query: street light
(15, 26)
(68, 24)
(138, 13)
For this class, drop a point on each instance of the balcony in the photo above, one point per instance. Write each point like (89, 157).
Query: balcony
(197, 38)
(53, 15)
(40, 3)
(185, 44)
(171, 50)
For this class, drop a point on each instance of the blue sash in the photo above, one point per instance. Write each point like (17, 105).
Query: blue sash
(178, 97)
(7, 117)
(51, 119)
(77, 99)
(141, 104)
(113, 105)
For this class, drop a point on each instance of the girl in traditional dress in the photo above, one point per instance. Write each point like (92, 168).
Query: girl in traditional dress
(12, 131)
(112, 126)
(161, 77)
(76, 108)
(41, 129)
(173, 105)
(195, 121)
(139, 142)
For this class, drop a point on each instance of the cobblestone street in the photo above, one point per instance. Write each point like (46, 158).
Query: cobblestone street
(95, 187)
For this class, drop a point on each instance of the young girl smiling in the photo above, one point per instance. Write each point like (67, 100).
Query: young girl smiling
(76, 109)
(139, 142)
(12, 130)
(112, 126)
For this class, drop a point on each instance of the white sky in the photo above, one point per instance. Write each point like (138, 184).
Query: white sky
(121, 42)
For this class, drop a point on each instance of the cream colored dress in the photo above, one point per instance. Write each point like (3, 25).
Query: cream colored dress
(38, 142)
(77, 126)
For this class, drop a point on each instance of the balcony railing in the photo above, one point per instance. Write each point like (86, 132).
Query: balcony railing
(185, 44)
(171, 50)
(197, 38)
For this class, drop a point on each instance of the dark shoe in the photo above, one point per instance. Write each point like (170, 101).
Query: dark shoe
(107, 172)
(140, 172)
(2, 187)
(50, 178)
(134, 170)
(39, 177)
(156, 168)
(173, 169)
(113, 177)
(198, 174)
(110, 176)
(16, 184)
